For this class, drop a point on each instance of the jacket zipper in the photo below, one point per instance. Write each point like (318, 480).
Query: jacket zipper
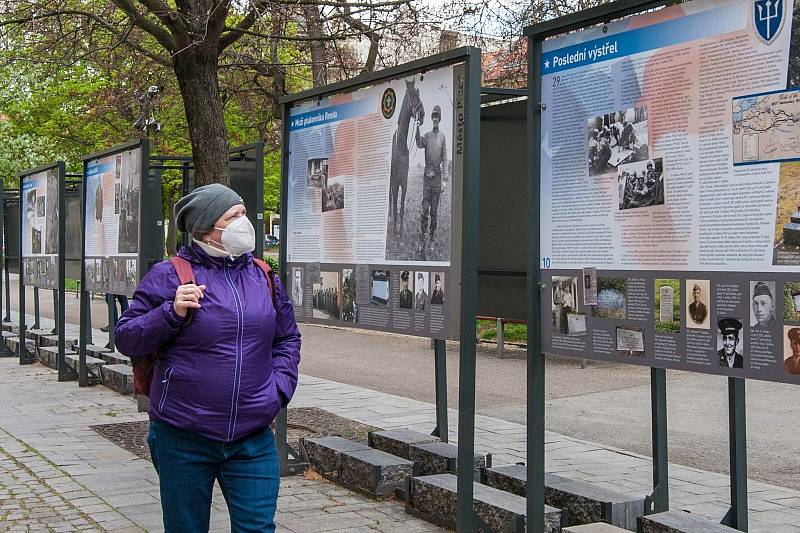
(238, 368)
(165, 382)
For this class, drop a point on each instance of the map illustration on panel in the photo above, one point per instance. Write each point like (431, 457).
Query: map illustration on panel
(766, 128)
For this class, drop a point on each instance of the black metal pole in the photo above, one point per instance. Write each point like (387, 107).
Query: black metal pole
(36, 324)
(440, 370)
(60, 295)
(22, 350)
(536, 367)
(56, 327)
(737, 517)
(470, 207)
(658, 404)
(7, 276)
(111, 303)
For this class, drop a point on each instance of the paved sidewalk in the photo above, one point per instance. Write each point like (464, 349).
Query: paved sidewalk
(57, 474)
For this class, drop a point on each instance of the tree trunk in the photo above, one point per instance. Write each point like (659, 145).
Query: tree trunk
(196, 71)
(172, 230)
(314, 29)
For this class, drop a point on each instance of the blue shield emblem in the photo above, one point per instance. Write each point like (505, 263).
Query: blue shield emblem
(768, 19)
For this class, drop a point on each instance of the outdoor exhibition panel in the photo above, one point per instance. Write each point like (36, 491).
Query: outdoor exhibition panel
(380, 207)
(373, 211)
(123, 233)
(670, 190)
(42, 242)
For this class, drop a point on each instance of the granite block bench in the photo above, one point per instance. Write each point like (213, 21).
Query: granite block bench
(597, 527)
(118, 377)
(581, 502)
(435, 499)
(398, 441)
(680, 522)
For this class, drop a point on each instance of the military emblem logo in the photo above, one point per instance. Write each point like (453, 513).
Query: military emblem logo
(768, 18)
(388, 103)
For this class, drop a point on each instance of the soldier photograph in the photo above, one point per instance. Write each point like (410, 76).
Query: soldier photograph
(419, 211)
(349, 305)
(326, 296)
(762, 313)
(406, 296)
(729, 341)
(297, 286)
(616, 138)
(791, 362)
(421, 291)
(437, 294)
(641, 184)
(697, 315)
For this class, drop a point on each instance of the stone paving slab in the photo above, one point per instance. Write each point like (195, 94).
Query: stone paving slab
(57, 474)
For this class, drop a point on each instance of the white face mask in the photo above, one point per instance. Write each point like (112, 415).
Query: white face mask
(239, 237)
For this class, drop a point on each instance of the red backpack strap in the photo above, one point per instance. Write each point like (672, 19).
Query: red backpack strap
(185, 275)
(183, 269)
(269, 274)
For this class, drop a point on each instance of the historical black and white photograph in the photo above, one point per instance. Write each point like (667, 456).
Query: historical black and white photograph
(327, 297)
(130, 280)
(30, 203)
(40, 206)
(349, 304)
(698, 294)
(332, 193)
(36, 240)
(117, 195)
(568, 318)
(730, 342)
(421, 290)
(405, 296)
(297, 286)
(589, 286)
(791, 350)
(437, 292)
(762, 304)
(51, 214)
(379, 287)
(420, 173)
(616, 138)
(130, 187)
(317, 172)
(612, 298)
(630, 341)
(641, 184)
(91, 273)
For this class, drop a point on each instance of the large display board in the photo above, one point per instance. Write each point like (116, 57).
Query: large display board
(372, 203)
(670, 190)
(40, 190)
(112, 207)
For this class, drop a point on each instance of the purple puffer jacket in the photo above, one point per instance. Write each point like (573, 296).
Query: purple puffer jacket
(234, 366)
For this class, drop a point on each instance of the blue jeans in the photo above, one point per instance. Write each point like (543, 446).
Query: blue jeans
(247, 469)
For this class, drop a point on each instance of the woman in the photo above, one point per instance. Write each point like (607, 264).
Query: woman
(227, 363)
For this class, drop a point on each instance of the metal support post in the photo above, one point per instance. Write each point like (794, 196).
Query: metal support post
(85, 336)
(536, 368)
(440, 370)
(111, 304)
(7, 276)
(737, 430)
(58, 325)
(22, 350)
(465, 517)
(500, 327)
(659, 501)
(36, 324)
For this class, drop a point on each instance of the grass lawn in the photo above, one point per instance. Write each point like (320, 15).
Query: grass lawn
(487, 330)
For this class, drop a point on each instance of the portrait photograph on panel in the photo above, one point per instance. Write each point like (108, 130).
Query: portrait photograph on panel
(130, 189)
(51, 214)
(421, 290)
(791, 350)
(698, 302)
(297, 286)
(437, 292)
(616, 138)
(405, 296)
(730, 342)
(762, 304)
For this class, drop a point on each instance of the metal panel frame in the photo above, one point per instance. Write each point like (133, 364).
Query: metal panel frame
(22, 351)
(151, 240)
(470, 57)
(737, 515)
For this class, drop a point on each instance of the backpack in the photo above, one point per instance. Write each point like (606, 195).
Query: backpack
(143, 366)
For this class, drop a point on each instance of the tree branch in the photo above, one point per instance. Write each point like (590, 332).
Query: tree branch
(161, 35)
(231, 35)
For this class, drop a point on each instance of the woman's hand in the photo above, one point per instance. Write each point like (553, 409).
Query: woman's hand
(188, 297)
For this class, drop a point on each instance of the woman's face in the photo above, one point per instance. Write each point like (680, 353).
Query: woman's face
(215, 235)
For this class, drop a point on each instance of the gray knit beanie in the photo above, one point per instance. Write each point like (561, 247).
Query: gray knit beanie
(197, 212)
